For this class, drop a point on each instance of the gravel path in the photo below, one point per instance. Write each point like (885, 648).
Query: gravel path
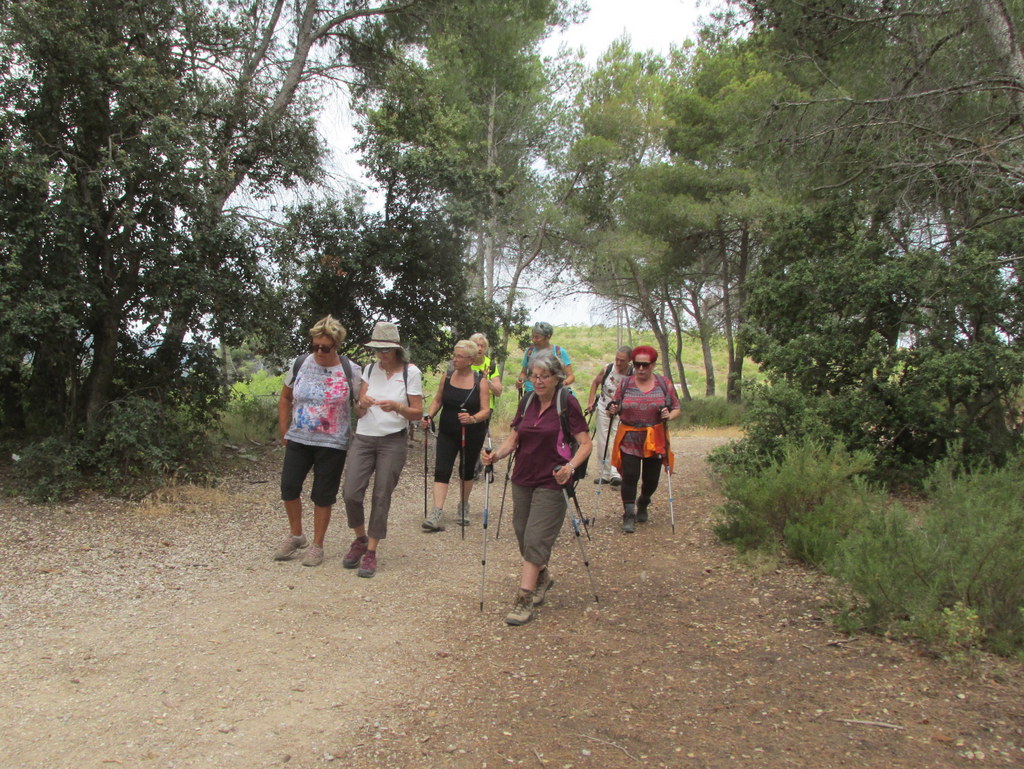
(163, 635)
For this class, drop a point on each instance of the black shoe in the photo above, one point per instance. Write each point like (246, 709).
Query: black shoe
(628, 524)
(615, 481)
(641, 512)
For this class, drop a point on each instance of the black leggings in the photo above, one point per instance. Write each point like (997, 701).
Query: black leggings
(633, 470)
(449, 447)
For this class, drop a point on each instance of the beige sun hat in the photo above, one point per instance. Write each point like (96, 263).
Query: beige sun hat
(385, 336)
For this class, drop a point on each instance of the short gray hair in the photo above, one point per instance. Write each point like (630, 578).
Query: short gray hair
(625, 349)
(548, 361)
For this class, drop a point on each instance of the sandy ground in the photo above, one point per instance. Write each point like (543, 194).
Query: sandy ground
(162, 634)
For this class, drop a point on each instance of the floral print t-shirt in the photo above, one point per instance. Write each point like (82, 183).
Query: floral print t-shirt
(321, 405)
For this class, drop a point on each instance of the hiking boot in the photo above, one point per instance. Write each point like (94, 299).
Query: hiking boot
(641, 510)
(522, 609)
(368, 566)
(314, 556)
(463, 515)
(355, 553)
(434, 521)
(615, 481)
(289, 546)
(544, 584)
(629, 519)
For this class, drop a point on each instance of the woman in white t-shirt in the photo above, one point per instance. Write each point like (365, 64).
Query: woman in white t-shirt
(391, 396)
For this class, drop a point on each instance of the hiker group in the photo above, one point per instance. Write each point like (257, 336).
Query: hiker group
(548, 445)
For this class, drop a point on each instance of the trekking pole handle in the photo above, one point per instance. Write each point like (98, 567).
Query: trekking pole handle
(558, 468)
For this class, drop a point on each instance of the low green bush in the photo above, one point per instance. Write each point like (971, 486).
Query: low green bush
(805, 500)
(964, 548)
(48, 470)
(709, 412)
(135, 444)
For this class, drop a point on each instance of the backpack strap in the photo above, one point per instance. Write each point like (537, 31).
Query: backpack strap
(297, 365)
(346, 364)
(607, 373)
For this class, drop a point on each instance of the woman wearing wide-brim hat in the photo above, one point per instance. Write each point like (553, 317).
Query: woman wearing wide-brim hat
(390, 397)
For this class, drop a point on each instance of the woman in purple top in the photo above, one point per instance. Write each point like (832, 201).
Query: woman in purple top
(538, 504)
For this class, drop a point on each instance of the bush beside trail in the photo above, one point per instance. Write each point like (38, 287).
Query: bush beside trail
(949, 571)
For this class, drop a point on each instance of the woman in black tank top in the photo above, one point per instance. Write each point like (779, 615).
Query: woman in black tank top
(462, 399)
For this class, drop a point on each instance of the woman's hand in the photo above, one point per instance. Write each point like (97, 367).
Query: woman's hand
(487, 457)
(563, 473)
(466, 418)
(389, 406)
(426, 421)
(613, 408)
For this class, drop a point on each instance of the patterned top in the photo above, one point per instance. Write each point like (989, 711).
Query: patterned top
(640, 409)
(321, 408)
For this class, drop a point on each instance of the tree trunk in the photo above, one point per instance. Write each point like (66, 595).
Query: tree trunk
(999, 23)
(101, 373)
(487, 273)
(679, 350)
(737, 350)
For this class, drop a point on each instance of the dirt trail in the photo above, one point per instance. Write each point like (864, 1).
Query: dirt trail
(163, 635)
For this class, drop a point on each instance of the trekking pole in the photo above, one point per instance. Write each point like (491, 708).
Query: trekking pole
(426, 436)
(668, 469)
(568, 491)
(462, 484)
(488, 480)
(501, 510)
(604, 463)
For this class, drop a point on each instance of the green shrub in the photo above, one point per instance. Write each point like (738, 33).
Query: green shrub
(710, 412)
(135, 444)
(48, 470)
(807, 499)
(963, 548)
(141, 440)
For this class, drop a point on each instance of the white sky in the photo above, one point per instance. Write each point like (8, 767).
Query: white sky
(651, 25)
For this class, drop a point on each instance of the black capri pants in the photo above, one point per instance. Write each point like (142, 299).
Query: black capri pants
(327, 464)
(635, 469)
(449, 447)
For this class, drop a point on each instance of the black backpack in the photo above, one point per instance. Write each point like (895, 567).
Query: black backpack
(562, 406)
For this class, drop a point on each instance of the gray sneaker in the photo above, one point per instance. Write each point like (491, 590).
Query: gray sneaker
(462, 517)
(522, 609)
(434, 521)
(314, 556)
(289, 546)
(544, 584)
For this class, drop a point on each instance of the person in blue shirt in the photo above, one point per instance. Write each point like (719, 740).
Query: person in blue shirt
(540, 336)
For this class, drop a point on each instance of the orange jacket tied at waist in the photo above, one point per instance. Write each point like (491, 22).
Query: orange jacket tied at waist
(654, 444)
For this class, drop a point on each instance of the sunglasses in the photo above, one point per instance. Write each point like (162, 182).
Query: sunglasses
(641, 364)
(324, 348)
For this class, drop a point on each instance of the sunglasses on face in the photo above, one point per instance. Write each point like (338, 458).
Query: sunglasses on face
(641, 364)
(324, 348)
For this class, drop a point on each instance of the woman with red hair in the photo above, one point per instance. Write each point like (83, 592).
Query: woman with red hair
(645, 402)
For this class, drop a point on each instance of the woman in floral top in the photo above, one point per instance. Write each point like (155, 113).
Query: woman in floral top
(644, 402)
(313, 415)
